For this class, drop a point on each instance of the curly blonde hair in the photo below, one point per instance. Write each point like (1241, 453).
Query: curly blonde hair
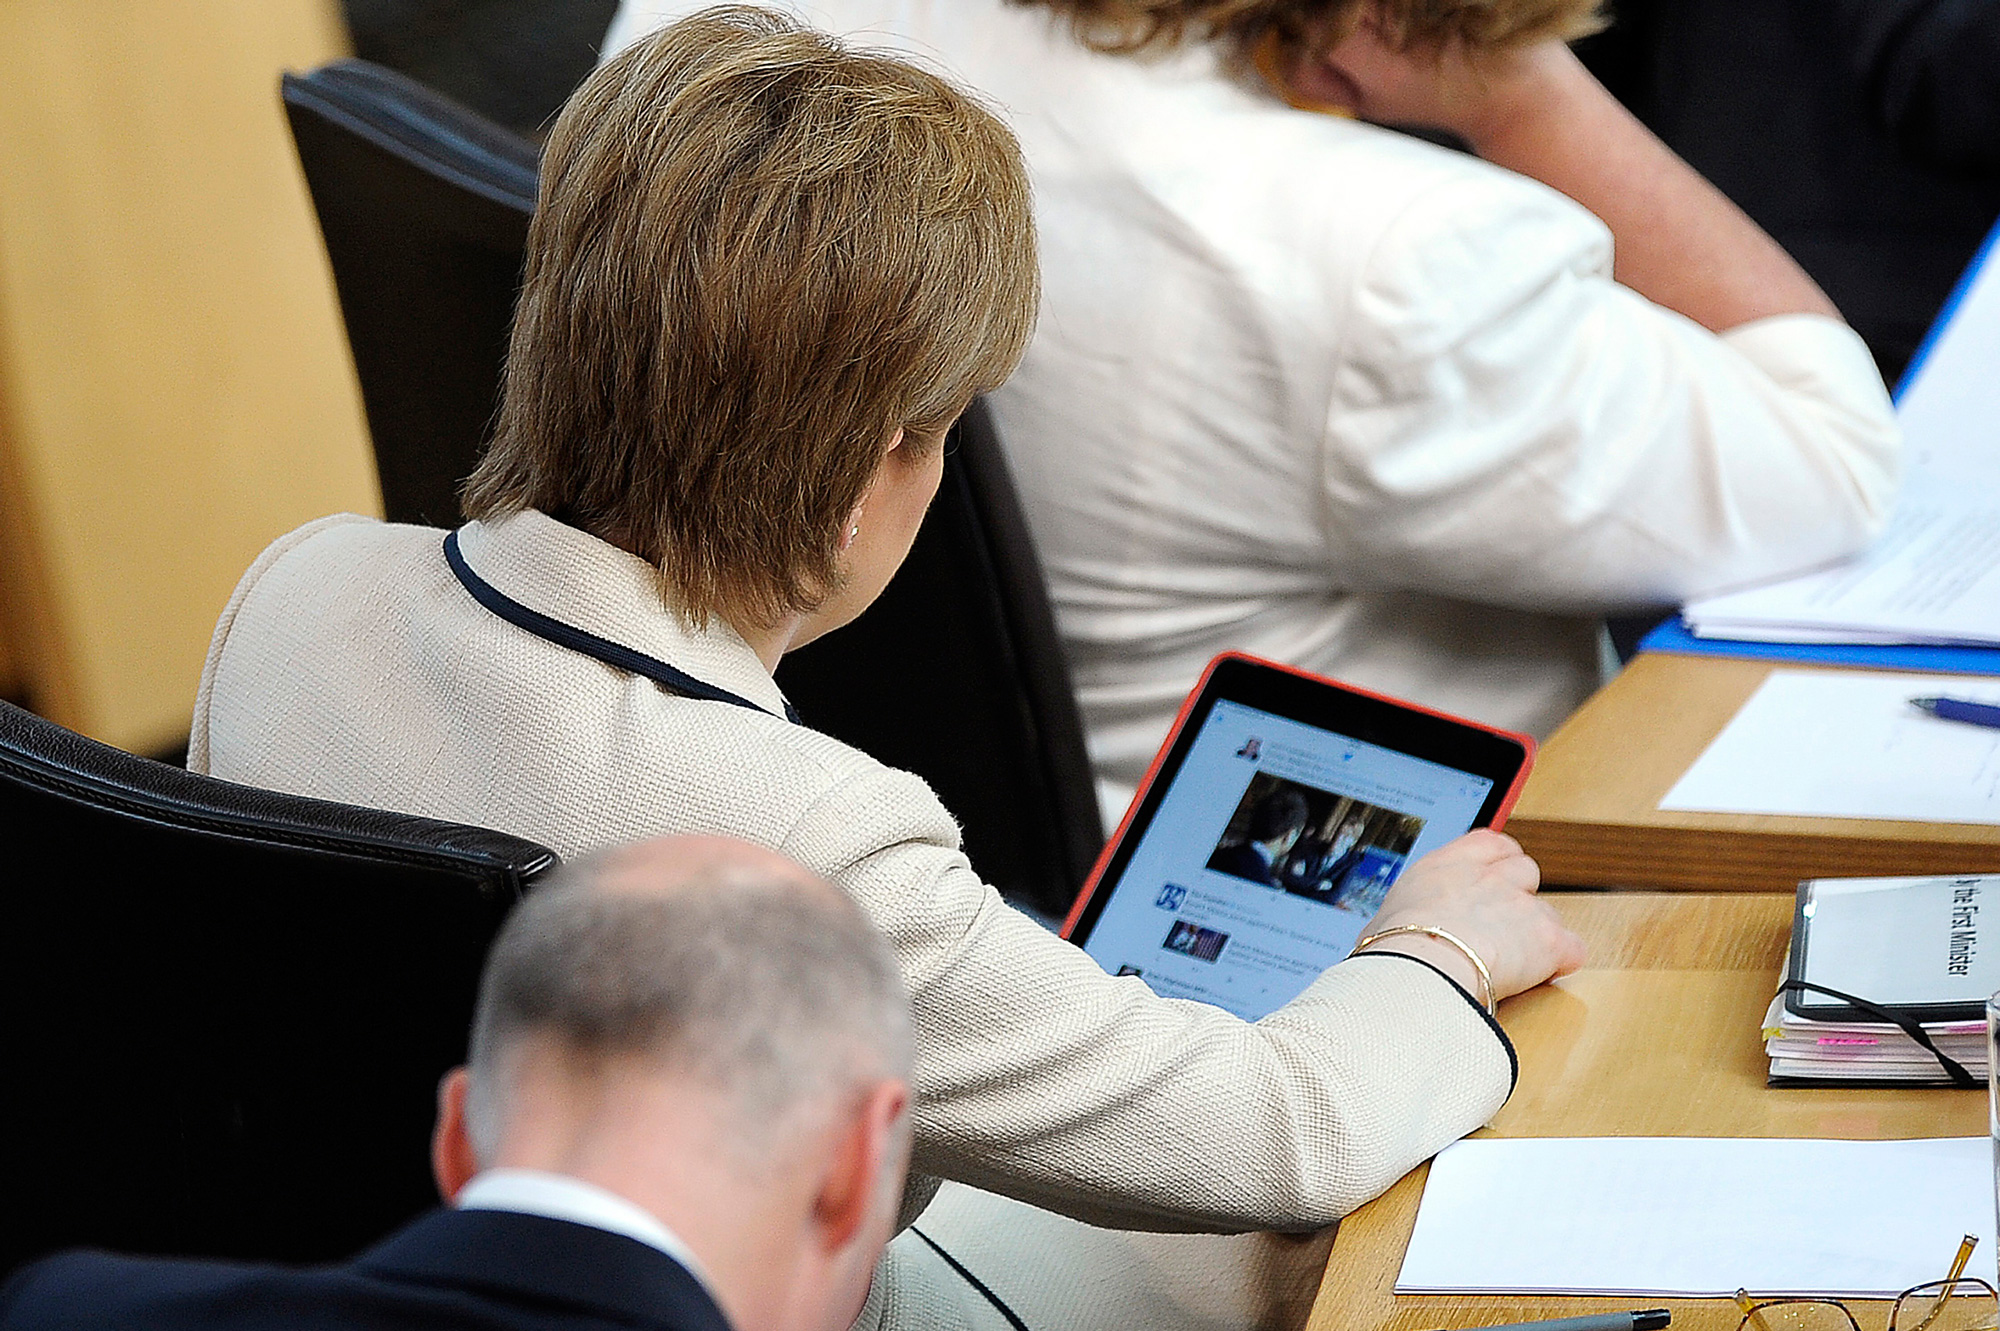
(1133, 25)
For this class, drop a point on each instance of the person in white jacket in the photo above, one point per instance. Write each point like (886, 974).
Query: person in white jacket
(765, 275)
(1329, 394)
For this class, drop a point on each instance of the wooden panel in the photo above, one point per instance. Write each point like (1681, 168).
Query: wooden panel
(174, 384)
(1590, 813)
(36, 662)
(10, 669)
(12, 685)
(1659, 1038)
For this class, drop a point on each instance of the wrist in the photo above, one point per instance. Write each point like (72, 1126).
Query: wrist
(1453, 959)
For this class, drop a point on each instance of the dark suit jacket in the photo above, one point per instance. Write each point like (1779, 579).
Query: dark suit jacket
(1931, 72)
(1323, 884)
(1830, 123)
(1243, 862)
(491, 1270)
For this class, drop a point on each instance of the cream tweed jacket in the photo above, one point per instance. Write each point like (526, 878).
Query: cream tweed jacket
(351, 665)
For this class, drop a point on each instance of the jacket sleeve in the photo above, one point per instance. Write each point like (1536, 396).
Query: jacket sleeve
(74, 1290)
(1511, 426)
(1041, 1077)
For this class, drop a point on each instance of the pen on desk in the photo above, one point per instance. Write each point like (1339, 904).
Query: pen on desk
(1646, 1319)
(1959, 709)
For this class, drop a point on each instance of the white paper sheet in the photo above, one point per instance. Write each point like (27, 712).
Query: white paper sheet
(1698, 1217)
(1847, 744)
(1933, 577)
(1935, 574)
(1892, 939)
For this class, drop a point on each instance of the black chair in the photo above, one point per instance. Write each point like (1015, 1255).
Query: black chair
(513, 61)
(955, 674)
(223, 1011)
(425, 208)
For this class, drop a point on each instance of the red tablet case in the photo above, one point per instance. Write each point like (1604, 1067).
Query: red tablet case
(1083, 898)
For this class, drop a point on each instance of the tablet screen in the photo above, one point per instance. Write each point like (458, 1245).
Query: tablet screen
(1269, 850)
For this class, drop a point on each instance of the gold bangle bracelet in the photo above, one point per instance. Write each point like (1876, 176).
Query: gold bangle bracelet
(1431, 931)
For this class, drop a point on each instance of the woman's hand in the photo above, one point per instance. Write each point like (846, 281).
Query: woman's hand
(1480, 888)
(1473, 94)
(1535, 109)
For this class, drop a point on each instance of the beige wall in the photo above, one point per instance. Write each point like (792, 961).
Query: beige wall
(174, 387)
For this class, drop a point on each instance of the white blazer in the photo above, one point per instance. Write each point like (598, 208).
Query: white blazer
(1328, 394)
(352, 665)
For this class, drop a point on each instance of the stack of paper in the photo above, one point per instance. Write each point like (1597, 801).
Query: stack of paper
(1805, 1050)
(1696, 1217)
(1918, 948)
(1934, 577)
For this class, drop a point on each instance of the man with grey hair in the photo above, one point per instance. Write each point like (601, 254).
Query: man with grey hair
(686, 1108)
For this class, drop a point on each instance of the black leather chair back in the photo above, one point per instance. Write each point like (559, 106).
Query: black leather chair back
(955, 674)
(223, 1011)
(425, 208)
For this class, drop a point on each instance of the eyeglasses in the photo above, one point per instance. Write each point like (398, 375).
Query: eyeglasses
(1956, 1303)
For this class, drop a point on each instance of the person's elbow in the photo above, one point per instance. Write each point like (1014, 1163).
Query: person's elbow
(1866, 449)
(1830, 433)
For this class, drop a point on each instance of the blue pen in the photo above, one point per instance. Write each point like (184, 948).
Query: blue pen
(1958, 709)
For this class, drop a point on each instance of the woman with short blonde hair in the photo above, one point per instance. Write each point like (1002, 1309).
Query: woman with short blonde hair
(1312, 389)
(689, 341)
(766, 272)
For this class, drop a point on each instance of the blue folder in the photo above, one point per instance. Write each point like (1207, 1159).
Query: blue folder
(1673, 636)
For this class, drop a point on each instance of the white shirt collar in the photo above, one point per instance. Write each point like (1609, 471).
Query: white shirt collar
(560, 1197)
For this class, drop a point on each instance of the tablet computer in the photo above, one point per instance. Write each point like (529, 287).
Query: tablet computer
(1276, 817)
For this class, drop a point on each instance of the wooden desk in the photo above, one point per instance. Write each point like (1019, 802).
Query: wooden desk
(1591, 810)
(1658, 1038)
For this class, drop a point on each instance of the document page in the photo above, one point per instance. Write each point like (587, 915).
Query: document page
(1847, 744)
(1697, 1217)
(1903, 942)
(1934, 576)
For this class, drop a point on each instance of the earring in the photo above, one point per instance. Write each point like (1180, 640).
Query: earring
(852, 532)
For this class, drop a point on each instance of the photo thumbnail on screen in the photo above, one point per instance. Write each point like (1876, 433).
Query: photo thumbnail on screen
(1332, 849)
(1193, 940)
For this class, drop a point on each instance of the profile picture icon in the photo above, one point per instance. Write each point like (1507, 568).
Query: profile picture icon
(1253, 748)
